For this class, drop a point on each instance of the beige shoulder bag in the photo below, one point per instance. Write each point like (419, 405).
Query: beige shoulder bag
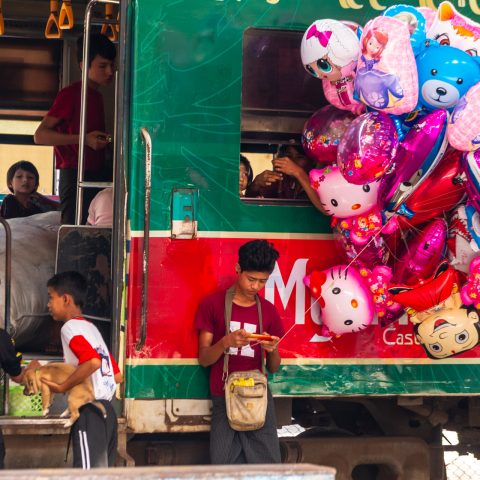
(245, 392)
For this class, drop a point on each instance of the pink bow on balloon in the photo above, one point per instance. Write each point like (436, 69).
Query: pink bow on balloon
(323, 37)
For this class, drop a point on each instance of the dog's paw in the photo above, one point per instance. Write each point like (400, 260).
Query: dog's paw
(65, 413)
(45, 412)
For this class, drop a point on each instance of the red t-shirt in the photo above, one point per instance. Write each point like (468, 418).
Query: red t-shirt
(210, 317)
(66, 107)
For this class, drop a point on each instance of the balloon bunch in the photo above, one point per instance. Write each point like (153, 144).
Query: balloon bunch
(400, 149)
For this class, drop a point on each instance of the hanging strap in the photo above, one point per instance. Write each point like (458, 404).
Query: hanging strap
(228, 317)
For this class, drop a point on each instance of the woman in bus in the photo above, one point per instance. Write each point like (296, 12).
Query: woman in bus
(23, 180)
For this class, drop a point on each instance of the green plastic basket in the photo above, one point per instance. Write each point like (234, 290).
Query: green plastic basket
(21, 405)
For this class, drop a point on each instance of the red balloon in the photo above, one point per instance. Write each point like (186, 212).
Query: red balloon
(440, 192)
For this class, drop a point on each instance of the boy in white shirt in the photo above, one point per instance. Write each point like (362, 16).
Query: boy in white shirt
(94, 434)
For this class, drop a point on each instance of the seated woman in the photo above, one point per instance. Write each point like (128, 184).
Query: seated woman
(23, 181)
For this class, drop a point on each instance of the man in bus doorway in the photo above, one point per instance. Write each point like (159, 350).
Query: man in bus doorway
(247, 345)
(61, 126)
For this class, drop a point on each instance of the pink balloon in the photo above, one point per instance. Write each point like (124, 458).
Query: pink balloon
(322, 133)
(471, 166)
(367, 148)
(345, 300)
(419, 152)
(463, 129)
(422, 255)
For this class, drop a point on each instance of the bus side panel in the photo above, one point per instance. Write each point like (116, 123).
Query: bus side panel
(186, 80)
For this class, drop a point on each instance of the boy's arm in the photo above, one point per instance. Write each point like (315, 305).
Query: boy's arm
(208, 354)
(47, 135)
(81, 373)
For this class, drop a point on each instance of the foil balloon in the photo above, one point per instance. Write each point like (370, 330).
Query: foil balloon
(427, 293)
(438, 193)
(345, 301)
(463, 129)
(448, 329)
(429, 15)
(340, 198)
(378, 280)
(322, 133)
(471, 167)
(415, 22)
(422, 254)
(418, 154)
(386, 72)
(329, 51)
(463, 240)
(470, 292)
(367, 148)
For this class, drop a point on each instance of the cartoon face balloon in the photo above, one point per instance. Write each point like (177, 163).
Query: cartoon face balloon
(329, 52)
(445, 74)
(345, 300)
(449, 331)
(340, 198)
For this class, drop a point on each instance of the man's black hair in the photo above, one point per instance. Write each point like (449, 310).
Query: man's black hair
(257, 256)
(70, 283)
(99, 45)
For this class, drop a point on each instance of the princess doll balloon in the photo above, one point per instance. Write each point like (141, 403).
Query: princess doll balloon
(386, 75)
(329, 51)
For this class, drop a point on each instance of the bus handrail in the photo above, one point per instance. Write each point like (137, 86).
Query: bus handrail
(146, 237)
(8, 284)
(83, 105)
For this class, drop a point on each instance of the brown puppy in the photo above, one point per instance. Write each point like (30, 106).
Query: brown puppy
(58, 373)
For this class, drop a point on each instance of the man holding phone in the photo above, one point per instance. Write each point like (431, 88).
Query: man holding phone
(247, 348)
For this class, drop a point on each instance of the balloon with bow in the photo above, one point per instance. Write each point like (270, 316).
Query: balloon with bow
(329, 51)
(417, 155)
(322, 133)
(347, 302)
(367, 148)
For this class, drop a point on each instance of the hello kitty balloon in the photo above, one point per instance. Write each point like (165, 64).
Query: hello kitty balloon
(345, 301)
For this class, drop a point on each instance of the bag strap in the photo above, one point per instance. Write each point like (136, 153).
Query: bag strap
(228, 317)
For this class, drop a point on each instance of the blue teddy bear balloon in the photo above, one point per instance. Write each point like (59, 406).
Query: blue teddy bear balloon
(445, 74)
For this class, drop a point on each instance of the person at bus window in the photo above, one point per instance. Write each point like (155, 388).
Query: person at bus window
(288, 179)
(256, 261)
(246, 175)
(100, 211)
(23, 180)
(94, 434)
(10, 362)
(61, 126)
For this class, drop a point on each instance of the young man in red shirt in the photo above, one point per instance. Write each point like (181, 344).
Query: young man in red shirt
(61, 126)
(94, 434)
(256, 261)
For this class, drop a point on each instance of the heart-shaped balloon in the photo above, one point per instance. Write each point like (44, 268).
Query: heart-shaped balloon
(422, 254)
(367, 148)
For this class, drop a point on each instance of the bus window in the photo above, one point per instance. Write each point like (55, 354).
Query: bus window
(278, 96)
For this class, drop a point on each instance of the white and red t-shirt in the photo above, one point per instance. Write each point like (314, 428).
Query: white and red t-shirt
(81, 341)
